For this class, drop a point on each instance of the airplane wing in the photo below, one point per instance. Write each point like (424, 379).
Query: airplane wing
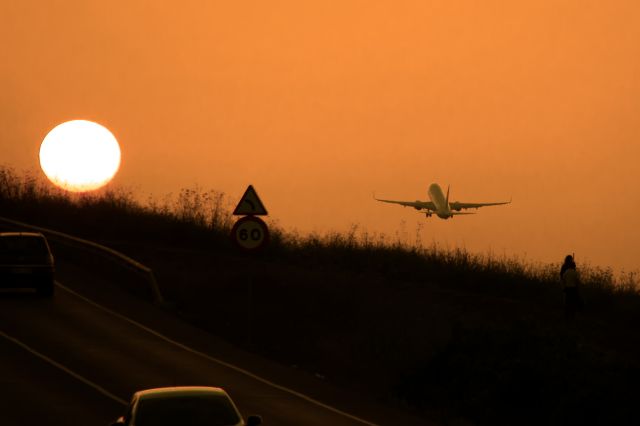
(457, 205)
(418, 205)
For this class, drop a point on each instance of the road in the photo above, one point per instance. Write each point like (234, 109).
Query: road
(76, 359)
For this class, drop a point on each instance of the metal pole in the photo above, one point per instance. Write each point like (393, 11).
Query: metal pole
(249, 307)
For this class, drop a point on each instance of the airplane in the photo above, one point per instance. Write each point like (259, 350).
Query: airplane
(440, 204)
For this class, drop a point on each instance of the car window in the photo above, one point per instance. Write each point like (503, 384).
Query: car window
(21, 245)
(201, 410)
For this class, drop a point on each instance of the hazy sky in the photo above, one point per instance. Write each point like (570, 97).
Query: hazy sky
(319, 103)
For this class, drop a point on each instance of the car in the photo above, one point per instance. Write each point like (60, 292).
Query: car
(184, 406)
(26, 262)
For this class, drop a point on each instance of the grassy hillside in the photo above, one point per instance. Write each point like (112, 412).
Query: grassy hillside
(457, 336)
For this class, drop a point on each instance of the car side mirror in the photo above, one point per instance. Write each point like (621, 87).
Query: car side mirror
(254, 420)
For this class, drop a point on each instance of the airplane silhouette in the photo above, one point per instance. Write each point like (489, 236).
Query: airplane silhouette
(440, 205)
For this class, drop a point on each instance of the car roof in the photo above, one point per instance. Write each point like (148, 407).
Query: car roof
(179, 391)
(21, 234)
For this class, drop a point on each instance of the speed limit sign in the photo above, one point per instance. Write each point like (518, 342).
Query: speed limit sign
(250, 233)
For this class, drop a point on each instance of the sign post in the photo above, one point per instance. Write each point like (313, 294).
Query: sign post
(250, 234)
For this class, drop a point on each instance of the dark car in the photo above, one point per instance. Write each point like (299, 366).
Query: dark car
(184, 406)
(26, 262)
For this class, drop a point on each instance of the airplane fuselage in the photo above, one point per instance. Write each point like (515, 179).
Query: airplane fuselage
(437, 197)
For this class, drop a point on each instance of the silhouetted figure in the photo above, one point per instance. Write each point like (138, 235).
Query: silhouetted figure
(570, 286)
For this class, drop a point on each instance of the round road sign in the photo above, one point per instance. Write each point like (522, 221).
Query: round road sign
(250, 233)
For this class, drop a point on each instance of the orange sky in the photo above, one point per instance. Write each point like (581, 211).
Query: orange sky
(319, 103)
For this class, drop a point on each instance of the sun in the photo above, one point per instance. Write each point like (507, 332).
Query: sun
(80, 155)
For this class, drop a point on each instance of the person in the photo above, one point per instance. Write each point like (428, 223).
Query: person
(570, 286)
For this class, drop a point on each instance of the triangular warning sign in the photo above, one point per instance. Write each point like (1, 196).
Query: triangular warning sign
(250, 204)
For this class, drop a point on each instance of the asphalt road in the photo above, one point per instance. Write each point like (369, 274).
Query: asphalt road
(76, 359)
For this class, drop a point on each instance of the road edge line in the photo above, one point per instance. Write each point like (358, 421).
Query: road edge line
(216, 360)
(59, 366)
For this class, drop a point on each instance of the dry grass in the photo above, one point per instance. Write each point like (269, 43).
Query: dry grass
(449, 332)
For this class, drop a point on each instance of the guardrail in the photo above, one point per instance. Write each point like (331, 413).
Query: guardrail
(109, 252)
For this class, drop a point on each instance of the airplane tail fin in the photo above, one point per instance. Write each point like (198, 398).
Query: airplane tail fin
(447, 200)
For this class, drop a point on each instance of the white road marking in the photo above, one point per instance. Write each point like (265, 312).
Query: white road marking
(84, 380)
(216, 360)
